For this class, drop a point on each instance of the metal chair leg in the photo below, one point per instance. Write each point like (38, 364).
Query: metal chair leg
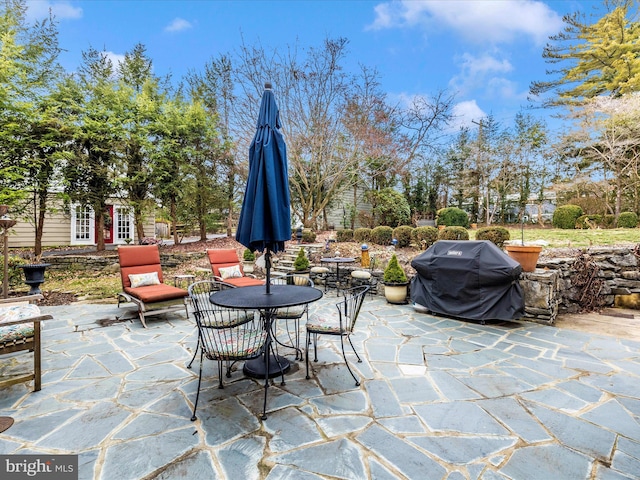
(195, 405)
(344, 355)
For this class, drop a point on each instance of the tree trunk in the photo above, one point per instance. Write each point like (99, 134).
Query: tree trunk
(230, 180)
(174, 227)
(139, 228)
(42, 209)
(100, 228)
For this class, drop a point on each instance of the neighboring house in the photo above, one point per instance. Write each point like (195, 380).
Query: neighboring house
(77, 227)
(339, 216)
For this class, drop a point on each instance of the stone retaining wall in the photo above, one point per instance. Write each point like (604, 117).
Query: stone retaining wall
(107, 263)
(617, 270)
(548, 291)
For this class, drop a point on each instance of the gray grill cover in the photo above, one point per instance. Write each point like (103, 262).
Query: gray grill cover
(468, 279)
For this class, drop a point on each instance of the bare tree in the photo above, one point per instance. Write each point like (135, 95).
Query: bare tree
(607, 139)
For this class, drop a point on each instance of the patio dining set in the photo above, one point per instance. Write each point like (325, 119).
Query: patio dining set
(236, 315)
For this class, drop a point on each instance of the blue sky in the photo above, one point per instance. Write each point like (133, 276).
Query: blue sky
(485, 52)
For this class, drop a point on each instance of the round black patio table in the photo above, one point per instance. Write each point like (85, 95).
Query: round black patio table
(337, 261)
(256, 298)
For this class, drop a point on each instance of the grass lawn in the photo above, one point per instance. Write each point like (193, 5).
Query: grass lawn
(555, 237)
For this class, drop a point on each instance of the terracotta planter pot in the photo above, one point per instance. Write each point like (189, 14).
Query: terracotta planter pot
(525, 255)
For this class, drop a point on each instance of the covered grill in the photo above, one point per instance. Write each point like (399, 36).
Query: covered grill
(468, 279)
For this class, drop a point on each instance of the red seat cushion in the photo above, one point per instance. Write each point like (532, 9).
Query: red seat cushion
(244, 281)
(223, 257)
(136, 259)
(156, 293)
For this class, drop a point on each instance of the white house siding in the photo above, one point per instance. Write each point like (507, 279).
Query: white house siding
(58, 231)
(342, 204)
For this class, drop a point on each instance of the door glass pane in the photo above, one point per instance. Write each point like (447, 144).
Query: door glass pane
(83, 223)
(123, 223)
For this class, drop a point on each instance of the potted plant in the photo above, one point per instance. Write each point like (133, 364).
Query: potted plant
(525, 255)
(301, 267)
(248, 257)
(395, 282)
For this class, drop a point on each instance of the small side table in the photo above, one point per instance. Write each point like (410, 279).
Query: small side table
(179, 280)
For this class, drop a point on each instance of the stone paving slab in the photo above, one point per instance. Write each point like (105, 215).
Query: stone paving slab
(438, 398)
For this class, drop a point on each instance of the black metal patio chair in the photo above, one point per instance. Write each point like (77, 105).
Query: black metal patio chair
(291, 315)
(339, 324)
(225, 335)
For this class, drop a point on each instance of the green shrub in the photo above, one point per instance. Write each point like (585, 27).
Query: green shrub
(345, 235)
(453, 233)
(565, 216)
(628, 220)
(452, 216)
(308, 235)
(497, 235)
(403, 235)
(609, 221)
(584, 222)
(248, 255)
(382, 235)
(301, 262)
(424, 237)
(15, 274)
(394, 273)
(362, 235)
(389, 207)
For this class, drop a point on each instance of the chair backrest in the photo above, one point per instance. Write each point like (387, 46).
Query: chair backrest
(373, 262)
(200, 292)
(222, 258)
(349, 308)
(292, 279)
(136, 259)
(225, 333)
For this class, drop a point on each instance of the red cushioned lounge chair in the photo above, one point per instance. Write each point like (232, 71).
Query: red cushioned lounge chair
(142, 283)
(226, 267)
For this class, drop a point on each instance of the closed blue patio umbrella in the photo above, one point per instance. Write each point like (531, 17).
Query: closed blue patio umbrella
(265, 218)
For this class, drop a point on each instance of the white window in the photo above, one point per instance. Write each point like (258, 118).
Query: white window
(123, 224)
(82, 225)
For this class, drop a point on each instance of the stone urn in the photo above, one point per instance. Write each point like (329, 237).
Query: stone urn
(301, 277)
(396, 293)
(34, 276)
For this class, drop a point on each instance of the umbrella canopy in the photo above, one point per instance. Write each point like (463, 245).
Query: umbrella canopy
(265, 218)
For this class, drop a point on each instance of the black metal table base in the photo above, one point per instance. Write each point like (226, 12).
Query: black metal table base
(256, 368)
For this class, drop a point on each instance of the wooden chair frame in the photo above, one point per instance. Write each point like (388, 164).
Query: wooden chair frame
(30, 344)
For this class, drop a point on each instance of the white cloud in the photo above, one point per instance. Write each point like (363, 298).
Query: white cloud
(492, 21)
(464, 113)
(177, 25)
(39, 9)
(475, 70)
(504, 89)
(484, 63)
(115, 58)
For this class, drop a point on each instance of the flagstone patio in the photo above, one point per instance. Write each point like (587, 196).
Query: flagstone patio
(439, 398)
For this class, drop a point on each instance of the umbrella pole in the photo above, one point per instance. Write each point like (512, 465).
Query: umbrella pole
(267, 257)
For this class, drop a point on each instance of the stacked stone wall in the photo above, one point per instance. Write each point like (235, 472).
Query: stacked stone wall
(548, 291)
(108, 263)
(617, 271)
